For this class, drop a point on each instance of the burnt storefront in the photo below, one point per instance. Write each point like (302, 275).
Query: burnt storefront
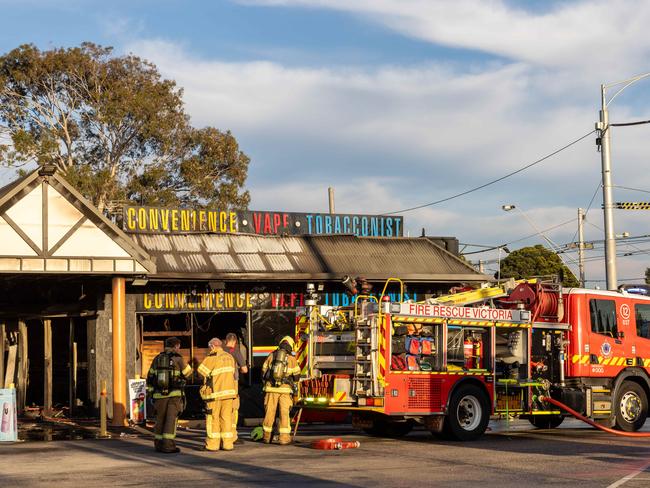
(86, 298)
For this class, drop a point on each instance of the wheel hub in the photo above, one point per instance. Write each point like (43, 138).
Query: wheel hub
(630, 406)
(469, 412)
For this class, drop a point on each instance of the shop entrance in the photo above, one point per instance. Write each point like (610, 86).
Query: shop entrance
(194, 329)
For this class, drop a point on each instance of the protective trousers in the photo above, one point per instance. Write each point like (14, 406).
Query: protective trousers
(271, 403)
(167, 412)
(235, 417)
(218, 425)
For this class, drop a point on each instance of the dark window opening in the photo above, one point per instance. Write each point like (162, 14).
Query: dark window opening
(603, 317)
(642, 315)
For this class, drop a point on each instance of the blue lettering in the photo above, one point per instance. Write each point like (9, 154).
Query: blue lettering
(346, 225)
(389, 227)
(374, 227)
(328, 224)
(319, 224)
(398, 222)
(364, 226)
(309, 217)
(345, 300)
(355, 226)
(337, 225)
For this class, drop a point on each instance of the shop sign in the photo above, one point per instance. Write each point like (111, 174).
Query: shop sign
(138, 401)
(8, 415)
(191, 300)
(215, 221)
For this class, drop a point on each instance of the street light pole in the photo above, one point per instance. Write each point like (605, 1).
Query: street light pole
(608, 214)
(581, 247)
(608, 210)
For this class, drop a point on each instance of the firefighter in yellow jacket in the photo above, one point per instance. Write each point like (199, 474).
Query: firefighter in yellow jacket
(280, 373)
(218, 392)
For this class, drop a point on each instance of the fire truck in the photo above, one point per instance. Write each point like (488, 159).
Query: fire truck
(452, 363)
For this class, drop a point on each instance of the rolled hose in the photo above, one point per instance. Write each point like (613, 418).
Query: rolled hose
(591, 422)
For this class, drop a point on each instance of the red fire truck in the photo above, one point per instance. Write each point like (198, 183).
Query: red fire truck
(453, 362)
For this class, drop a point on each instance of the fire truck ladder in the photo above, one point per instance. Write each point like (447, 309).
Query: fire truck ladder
(365, 380)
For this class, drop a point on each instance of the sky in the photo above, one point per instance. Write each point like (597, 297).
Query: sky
(399, 103)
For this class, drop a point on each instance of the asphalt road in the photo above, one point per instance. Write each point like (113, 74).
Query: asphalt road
(568, 456)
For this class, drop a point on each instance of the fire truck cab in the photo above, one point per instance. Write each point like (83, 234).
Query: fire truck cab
(452, 364)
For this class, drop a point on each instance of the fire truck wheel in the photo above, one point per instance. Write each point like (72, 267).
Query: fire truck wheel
(469, 414)
(546, 421)
(630, 407)
(388, 428)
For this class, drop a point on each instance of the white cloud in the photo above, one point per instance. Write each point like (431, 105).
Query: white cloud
(567, 34)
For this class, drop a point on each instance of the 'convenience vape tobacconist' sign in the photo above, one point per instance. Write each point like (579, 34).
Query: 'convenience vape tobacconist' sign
(182, 221)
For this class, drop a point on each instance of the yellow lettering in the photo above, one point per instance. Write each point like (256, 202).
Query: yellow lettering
(223, 218)
(248, 301)
(233, 222)
(230, 300)
(165, 219)
(203, 219)
(158, 300)
(219, 300)
(142, 218)
(130, 218)
(240, 300)
(175, 220)
(169, 301)
(153, 219)
(194, 219)
(147, 301)
(185, 220)
(212, 221)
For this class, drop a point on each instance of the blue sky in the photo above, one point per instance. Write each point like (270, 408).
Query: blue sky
(396, 103)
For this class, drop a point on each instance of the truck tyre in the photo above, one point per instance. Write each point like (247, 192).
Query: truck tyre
(630, 407)
(468, 414)
(546, 421)
(389, 428)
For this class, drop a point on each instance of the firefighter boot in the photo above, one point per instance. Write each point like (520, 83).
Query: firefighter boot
(284, 439)
(267, 437)
(157, 445)
(168, 446)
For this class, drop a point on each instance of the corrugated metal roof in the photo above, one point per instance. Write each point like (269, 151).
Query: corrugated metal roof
(244, 256)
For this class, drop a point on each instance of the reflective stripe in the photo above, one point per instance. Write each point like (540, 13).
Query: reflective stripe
(220, 394)
(173, 393)
(204, 370)
(169, 436)
(213, 435)
(295, 370)
(267, 429)
(277, 389)
(225, 369)
(187, 370)
(158, 437)
(284, 430)
(226, 435)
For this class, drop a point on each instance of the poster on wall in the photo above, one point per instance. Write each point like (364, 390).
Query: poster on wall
(138, 401)
(8, 416)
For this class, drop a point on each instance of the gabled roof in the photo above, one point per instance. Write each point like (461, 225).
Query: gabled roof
(253, 257)
(49, 227)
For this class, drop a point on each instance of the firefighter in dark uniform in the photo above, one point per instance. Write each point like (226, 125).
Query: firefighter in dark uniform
(166, 380)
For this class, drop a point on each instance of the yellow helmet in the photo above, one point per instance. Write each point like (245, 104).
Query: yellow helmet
(289, 340)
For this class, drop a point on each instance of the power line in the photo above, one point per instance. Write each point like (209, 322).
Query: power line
(628, 188)
(466, 192)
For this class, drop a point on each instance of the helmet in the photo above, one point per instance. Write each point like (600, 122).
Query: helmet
(288, 340)
(257, 433)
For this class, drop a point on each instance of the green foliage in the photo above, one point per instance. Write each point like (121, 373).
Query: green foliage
(529, 262)
(114, 128)
(647, 276)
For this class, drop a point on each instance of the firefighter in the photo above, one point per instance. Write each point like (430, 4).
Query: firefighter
(166, 380)
(218, 392)
(280, 373)
(232, 346)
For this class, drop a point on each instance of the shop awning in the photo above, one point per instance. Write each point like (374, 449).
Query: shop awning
(270, 258)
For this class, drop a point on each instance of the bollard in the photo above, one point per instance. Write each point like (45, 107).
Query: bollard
(102, 411)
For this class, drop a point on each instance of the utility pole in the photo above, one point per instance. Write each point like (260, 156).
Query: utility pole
(581, 247)
(330, 193)
(481, 267)
(610, 238)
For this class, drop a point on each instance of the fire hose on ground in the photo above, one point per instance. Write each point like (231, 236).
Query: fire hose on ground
(589, 421)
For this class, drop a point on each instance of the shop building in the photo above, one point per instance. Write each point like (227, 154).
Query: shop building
(86, 298)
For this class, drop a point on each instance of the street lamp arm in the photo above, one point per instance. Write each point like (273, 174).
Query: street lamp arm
(625, 84)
